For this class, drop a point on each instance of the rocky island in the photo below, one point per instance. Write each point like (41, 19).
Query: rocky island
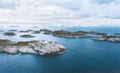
(99, 36)
(68, 34)
(109, 38)
(31, 47)
(47, 47)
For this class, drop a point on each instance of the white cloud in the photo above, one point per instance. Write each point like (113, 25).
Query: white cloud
(34, 9)
(45, 11)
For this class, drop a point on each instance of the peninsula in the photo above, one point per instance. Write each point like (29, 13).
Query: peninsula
(31, 47)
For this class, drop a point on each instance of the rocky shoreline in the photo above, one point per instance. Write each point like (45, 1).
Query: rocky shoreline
(98, 36)
(109, 38)
(31, 47)
(47, 47)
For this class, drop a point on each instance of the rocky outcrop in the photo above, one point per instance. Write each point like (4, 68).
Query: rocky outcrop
(9, 34)
(33, 47)
(25, 31)
(90, 32)
(27, 36)
(110, 38)
(84, 34)
(68, 34)
(4, 42)
(36, 32)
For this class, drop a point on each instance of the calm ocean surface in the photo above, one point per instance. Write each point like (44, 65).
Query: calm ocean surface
(81, 56)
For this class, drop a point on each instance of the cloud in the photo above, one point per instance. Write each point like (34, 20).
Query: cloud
(33, 8)
(53, 11)
(90, 8)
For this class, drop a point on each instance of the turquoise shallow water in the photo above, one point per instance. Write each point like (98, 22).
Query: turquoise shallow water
(81, 56)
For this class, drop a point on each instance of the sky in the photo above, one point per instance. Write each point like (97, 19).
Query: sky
(61, 12)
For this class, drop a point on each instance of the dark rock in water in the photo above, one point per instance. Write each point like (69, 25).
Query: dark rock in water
(30, 30)
(13, 30)
(36, 32)
(27, 36)
(9, 34)
(33, 47)
(25, 31)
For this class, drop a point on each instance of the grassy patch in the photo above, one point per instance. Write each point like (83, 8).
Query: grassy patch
(4, 42)
(25, 43)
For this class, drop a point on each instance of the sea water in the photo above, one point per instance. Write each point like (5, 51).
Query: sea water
(81, 56)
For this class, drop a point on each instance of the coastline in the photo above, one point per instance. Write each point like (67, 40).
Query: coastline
(28, 35)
